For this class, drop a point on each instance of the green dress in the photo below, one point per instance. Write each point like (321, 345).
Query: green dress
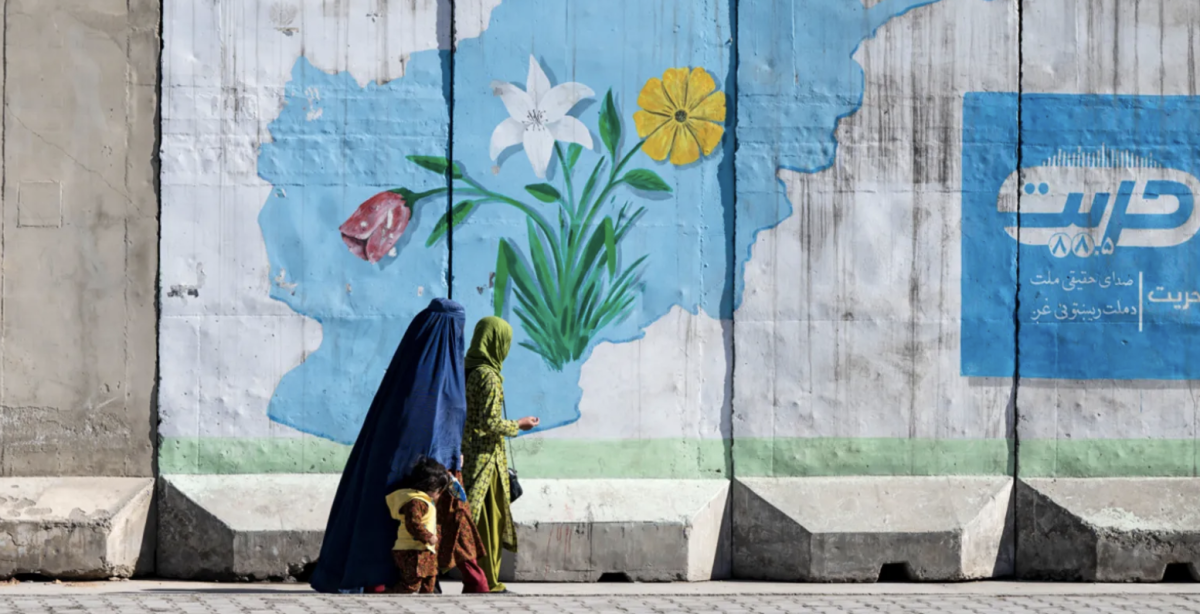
(485, 460)
(485, 466)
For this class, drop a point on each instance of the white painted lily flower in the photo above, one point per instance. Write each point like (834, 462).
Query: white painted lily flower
(539, 117)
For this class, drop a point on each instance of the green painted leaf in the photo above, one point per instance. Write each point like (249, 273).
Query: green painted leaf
(536, 350)
(457, 215)
(620, 289)
(573, 155)
(535, 332)
(436, 164)
(610, 245)
(610, 125)
(412, 198)
(501, 287)
(543, 192)
(618, 311)
(587, 264)
(520, 274)
(591, 182)
(624, 227)
(647, 180)
(541, 267)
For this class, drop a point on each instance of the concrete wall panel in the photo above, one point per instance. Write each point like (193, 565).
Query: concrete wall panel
(264, 157)
(863, 292)
(848, 339)
(838, 301)
(80, 238)
(653, 373)
(1143, 422)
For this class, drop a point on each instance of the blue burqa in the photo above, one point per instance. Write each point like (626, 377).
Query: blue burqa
(419, 409)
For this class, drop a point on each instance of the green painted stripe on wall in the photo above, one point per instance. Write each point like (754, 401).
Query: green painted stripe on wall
(1109, 458)
(534, 458)
(621, 458)
(225, 455)
(630, 458)
(692, 458)
(835, 456)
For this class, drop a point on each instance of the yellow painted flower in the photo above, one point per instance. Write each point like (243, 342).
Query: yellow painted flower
(681, 115)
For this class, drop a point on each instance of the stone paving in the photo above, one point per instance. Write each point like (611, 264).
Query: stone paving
(214, 602)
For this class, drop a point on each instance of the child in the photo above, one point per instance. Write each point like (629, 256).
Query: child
(414, 504)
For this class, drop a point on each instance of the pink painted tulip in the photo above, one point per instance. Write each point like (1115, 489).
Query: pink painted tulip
(376, 226)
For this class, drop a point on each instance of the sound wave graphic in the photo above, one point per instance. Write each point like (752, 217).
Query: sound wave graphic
(1104, 158)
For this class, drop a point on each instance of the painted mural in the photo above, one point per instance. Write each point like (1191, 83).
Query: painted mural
(815, 198)
(345, 280)
(568, 280)
(590, 198)
(621, 208)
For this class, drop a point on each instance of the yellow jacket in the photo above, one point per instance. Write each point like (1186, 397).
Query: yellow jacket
(404, 539)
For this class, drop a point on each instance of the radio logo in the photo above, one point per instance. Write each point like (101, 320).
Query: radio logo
(1084, 211)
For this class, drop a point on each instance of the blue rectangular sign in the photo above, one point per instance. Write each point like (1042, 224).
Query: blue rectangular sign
(1080, 258)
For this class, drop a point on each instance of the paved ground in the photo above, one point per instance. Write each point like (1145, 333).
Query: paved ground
(722, 597)
(216, 603)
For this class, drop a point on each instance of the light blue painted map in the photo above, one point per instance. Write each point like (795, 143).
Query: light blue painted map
(797, 80)
(321, 170)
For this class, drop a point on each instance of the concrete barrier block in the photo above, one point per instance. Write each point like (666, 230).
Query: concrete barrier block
(649, 530)
(845, 529)
(1107, 529)
(242, 527)
(76, 528)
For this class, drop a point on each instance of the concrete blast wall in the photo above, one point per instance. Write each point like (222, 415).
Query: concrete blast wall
(80, 230)
(800, 288)
(78, 259)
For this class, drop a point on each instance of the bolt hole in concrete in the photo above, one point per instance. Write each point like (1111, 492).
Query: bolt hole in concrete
(895, 572)
(1181, 572)
(615, 577)
(32, 577)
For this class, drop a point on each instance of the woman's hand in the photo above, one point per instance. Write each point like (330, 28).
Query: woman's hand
(528, 423)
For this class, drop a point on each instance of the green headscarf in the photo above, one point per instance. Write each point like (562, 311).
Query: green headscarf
(489, 345)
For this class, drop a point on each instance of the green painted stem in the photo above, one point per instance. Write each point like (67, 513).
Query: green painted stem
(570, 204)
(526, 209)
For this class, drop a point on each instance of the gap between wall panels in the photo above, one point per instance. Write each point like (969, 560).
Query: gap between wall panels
(453, 49)
(1016, 383)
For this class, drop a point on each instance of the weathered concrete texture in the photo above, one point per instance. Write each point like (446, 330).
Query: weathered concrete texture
(76, 528)
(79, 237)
(649, 530)
(242, 527)
(845, 529)
(1107, 529)
(253, 527)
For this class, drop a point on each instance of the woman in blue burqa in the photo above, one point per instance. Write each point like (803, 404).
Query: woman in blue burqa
(418, 411)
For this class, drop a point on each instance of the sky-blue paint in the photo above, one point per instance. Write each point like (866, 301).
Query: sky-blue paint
(321, 170)
(1158, 129)
(617, 46)
(796, 80)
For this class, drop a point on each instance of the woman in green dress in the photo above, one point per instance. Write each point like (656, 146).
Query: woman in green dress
(485, 466)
